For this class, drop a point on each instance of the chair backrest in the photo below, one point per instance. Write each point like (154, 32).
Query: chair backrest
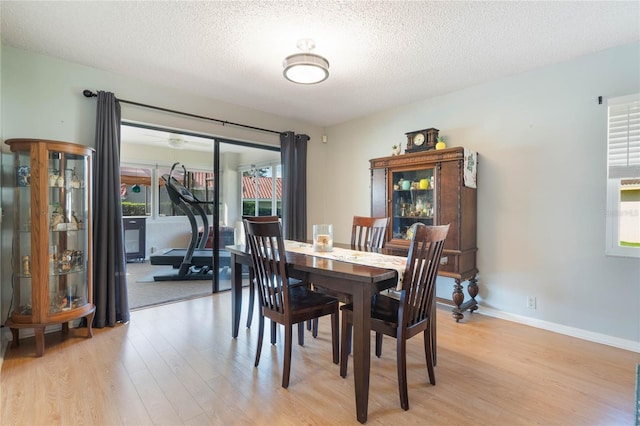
(262, 218)
(368, 233)
(419, 280)
(267, 246)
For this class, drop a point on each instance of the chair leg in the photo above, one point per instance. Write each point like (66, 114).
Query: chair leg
(309, 322)
(378, 344)
(334, 337)
(273, 332)
(260, 336)
(345, 344)
(429, 351)
(252, 297)
(314, 330)
(401, 345)
(286, 370)
(432, 327)
(301, 333)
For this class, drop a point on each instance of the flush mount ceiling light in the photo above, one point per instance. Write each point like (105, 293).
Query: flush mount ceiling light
(175, 142)
(307, 67)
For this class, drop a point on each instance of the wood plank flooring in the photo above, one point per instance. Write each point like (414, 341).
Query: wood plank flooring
(177, 364)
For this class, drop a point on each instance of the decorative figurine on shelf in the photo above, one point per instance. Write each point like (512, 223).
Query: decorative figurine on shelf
(53, 178)
(395, 149)
(74, 223)
(56, 220)
(26, 266)
(440, 145)
(23, 174)
(75, 182)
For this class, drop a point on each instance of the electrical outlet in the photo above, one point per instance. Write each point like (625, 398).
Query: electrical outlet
(531, 302)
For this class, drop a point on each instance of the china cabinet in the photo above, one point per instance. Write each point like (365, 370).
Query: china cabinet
(435, 187)
(52, 280)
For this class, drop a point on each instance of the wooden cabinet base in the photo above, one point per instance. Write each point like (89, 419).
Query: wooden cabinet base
(457, 298)
(38, 330)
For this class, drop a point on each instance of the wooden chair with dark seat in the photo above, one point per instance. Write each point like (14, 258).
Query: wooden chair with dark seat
(280, 302)
(412, 313)
(252, 287)
(368, 233)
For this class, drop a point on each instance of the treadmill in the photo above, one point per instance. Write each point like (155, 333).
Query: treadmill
(195, 262)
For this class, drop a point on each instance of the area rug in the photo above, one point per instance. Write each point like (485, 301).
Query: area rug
(144, 291)
(144, 294)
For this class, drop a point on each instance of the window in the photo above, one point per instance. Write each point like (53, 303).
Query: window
(262, 191)
(135, 190)
(199, 183)
(623, 176)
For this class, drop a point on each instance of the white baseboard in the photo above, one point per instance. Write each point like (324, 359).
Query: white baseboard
(591, 336)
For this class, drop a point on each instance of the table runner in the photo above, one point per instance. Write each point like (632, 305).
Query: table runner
(367, 258)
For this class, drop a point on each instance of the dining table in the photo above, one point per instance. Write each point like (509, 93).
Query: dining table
(344, 275)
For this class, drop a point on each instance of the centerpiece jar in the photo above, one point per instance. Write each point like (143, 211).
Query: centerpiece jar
(322, 237)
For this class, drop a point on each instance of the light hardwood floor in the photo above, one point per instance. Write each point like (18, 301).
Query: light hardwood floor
(177, 364)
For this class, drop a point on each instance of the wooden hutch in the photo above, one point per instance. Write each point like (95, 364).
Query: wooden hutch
(434, 188)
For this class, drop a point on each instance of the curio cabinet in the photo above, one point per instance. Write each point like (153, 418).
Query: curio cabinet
(51, 253)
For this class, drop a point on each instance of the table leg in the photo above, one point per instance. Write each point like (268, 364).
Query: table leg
(236, 294)
(362, 349)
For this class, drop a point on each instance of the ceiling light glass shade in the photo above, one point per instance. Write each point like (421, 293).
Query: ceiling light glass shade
(306, 68)
(176, 143)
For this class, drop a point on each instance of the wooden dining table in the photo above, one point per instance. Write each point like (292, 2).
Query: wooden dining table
(358, 282)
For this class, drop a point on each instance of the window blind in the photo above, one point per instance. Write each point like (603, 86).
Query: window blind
(623, 159)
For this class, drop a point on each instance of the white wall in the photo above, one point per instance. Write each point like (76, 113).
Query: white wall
(541, 139)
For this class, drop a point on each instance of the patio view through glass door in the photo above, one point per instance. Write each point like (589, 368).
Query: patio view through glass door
(248, 178)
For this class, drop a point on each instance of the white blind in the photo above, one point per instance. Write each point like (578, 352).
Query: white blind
(623, 158)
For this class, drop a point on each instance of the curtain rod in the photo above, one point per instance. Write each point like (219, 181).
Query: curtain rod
(89, 94)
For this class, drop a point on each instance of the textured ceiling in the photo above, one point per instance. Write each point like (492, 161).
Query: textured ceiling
(382, 54)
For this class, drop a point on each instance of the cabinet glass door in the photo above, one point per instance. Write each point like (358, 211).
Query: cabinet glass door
(68, 237)
(412, 201)
(23, 269)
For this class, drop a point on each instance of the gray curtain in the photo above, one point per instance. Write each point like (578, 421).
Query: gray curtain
(293, 152)
(109, 267)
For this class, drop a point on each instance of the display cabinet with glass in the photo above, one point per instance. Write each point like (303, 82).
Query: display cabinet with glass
(434, 187)
(412, 200)
(52, 280)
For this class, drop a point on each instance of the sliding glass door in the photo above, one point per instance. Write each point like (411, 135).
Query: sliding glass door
(225, 177)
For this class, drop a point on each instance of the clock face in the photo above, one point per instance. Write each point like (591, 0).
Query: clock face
(418, 139)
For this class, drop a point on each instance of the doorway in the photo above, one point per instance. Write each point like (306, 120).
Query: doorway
(218, 171)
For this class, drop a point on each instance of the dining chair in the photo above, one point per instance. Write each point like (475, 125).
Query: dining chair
(412, 313)
(252, 286)
(280, 302)
(367, 234)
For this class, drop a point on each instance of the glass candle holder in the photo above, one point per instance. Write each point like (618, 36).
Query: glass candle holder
(322, 237)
